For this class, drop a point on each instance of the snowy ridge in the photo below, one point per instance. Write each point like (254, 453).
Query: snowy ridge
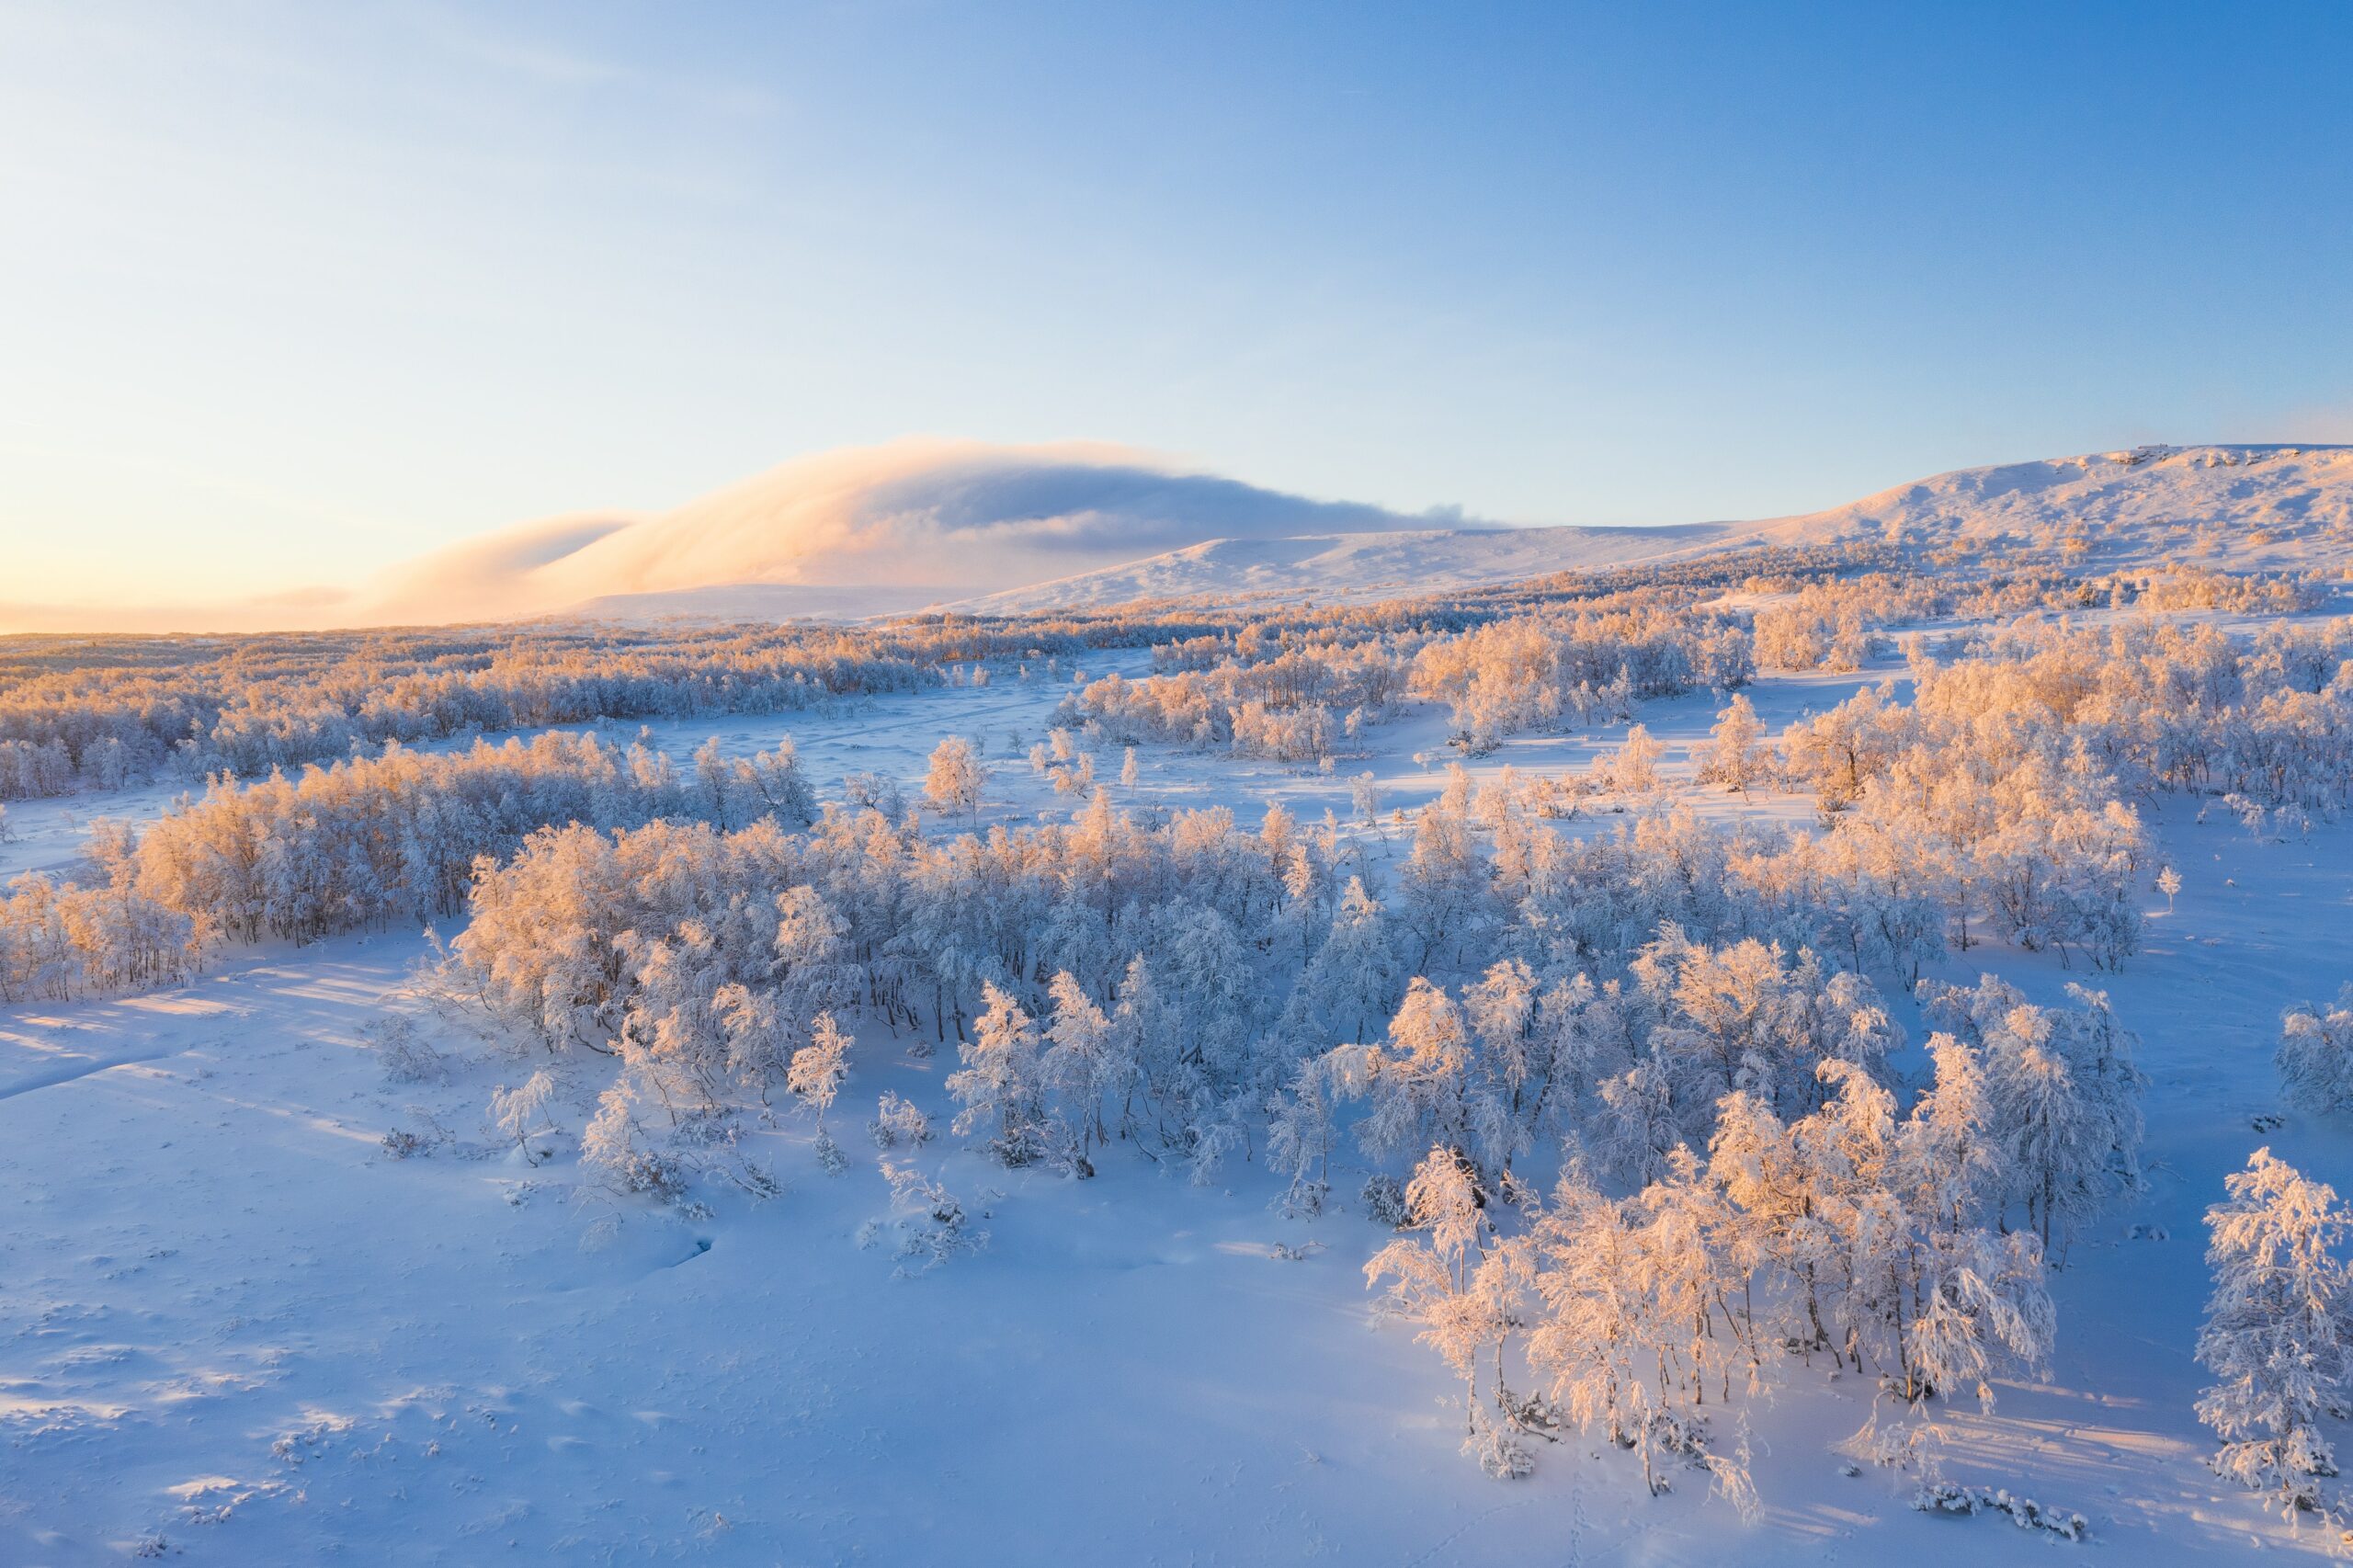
(2268, 507)
(1352, 566)
(2245, 506)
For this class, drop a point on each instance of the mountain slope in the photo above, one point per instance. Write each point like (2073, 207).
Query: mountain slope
(1353, 565)
(2247, 508)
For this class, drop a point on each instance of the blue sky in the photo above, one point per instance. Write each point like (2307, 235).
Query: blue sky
(290, 291)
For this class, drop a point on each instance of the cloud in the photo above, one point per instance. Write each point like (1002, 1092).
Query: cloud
(904, 524)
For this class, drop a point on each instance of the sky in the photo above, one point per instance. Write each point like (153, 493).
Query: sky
(289, 292)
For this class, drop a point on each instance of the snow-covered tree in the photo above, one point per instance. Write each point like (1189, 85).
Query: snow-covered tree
(1633, 767)
(1300, 1133)
(898, 1123)
(819, 1067)
(1415, 1077)
(1459, 1286)
(1634, 1125)
(1595, 1344)
(1737, 755)
(521, 1114)
(1086, 1060)
(956, 780)
(2063, 1094)
(2315, 1055)
(2275, 1330)
(1356, 978)
(1002, 1083)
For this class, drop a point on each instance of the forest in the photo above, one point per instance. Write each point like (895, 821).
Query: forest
(1655, 1096)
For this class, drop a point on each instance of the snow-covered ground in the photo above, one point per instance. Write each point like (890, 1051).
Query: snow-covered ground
(235, 1330)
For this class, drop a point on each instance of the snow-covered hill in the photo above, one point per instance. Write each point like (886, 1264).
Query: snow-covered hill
(1353, 566)
(1018, 530)
(2245, 506)
(1010, 529)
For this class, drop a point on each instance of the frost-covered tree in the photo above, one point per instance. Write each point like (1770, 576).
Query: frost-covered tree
(1414, 1079)
(1634, 1125)
(956, 780)
(1633, 767)
(1596, 1344)
(2063, 1094)
(819, 1068)
(1737, 755)
(932, 1224)
(1445, 892)
(1950, 1158)
(2275, 1330)
(1979, 1306)
(776, 778)
(2315, 1055)
(1513, 1063)
(1751, 1017)
(1300, 1133)
(1087, 1060)
(2055, 1162)
(1448, 1276)
(1356, 978)
(1002, 1083)
(521, 1114)
(815, 971)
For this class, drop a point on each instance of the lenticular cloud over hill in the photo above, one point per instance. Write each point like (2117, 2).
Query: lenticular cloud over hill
(1016, 529)
(868, 530)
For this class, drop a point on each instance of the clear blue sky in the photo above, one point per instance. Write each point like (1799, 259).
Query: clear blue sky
(289, 290)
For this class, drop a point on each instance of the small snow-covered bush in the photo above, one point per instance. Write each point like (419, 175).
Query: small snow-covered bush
(406, 1057)
(1383, 1198)
(931, 1222)
(898, 1121)
(1949, 1498)
(874, 792)
(1496, 1448)
(615, 1150)
(652, 1172)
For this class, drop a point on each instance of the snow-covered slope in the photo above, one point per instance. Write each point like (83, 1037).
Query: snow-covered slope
(1353, 566)
(2245, 506)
